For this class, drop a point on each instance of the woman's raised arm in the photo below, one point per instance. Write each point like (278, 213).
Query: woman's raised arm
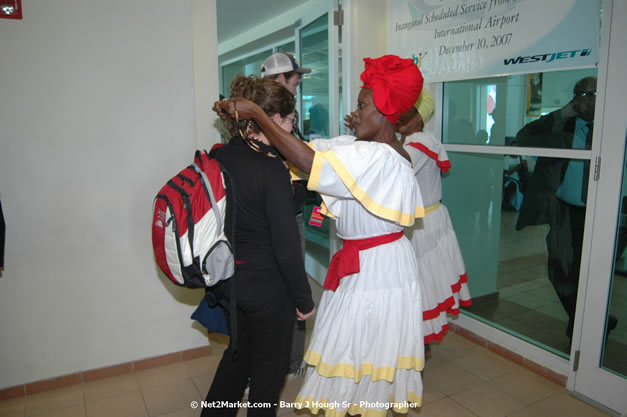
(294, 150)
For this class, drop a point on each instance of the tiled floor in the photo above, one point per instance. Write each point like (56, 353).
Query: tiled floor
(527, 305)
(461, 380)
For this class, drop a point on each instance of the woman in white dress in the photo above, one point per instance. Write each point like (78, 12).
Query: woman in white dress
(441, 268)
(366, 352)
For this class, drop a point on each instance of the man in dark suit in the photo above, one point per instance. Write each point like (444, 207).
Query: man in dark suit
(558, 189)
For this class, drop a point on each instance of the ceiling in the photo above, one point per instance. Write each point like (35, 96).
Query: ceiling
(238, 16)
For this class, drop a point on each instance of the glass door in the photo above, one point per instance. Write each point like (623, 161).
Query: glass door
(599, 365)
(317, 41)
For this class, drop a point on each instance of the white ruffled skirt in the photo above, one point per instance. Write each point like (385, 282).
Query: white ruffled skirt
(441, 271)
(366, 352)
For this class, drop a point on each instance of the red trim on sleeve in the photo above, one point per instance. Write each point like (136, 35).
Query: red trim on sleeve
(443, 165)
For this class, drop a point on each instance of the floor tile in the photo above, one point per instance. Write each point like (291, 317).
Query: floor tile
(547, 293)
(110, 387)
(14, 407)
(125, 405)
(203, 383)
(186, 412)
(538, 320)
(554, 310)
(445, 407)
(455, 347)
(527, 300)
(486, 365)
(485, 400)
(530, 412)
(54, 400)
(563, 404)
(169, 374)
(526, 386)
(431, 395)
(516, 326)
(74, 411)
(161, 399)
(450, 379)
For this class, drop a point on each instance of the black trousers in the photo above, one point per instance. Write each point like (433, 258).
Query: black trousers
(265, 337)
(564, 243)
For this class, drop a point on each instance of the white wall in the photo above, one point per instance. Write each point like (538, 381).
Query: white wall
(100, 105)
(366, 24)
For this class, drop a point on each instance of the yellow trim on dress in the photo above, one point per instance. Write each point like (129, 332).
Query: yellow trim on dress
(405, 219)
(345, 370)
(355, 408)
(432, 208)
(316, 169)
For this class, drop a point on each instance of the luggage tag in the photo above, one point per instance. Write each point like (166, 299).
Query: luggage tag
(316, 217)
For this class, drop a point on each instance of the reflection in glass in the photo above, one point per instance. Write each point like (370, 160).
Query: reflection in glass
(491, 111)
(522, 244)
(315, 86)
(314, 110)
(615, 346)
(248, 66)
(289, 47)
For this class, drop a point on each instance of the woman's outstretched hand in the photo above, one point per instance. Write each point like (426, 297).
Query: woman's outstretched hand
(235, 108)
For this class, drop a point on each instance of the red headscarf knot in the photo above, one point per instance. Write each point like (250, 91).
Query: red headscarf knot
(395, 83)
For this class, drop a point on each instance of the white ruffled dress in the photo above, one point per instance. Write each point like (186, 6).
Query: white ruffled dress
(366, 352)
(441, 268)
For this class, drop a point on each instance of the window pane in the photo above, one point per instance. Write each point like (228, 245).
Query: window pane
(248, 66)
(290, 48)
(521, 239)
(615, 345)
(315, 121)
(315, 86)
(491, 111)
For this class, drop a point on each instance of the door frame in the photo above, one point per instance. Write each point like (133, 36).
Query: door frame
(314, 268)
(589, 380)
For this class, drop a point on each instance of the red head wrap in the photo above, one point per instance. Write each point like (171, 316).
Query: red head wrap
(395, 83)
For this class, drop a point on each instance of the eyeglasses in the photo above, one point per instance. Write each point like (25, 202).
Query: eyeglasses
(585, 93)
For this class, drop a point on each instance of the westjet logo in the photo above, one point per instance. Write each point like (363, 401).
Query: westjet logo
(550, 57)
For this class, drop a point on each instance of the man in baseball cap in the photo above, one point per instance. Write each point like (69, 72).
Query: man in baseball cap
(282, 67)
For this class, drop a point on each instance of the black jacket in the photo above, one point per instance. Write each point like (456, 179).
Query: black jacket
(540, 205)
(267, 244)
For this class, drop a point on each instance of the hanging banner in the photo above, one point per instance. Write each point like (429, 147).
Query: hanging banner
(461, 39)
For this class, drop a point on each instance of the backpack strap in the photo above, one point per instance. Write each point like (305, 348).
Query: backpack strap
(209, 191)
(200, 160)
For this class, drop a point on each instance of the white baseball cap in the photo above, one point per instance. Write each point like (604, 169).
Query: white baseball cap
(280, 63)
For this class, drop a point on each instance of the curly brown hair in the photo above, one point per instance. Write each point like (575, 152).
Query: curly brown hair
(268, 94)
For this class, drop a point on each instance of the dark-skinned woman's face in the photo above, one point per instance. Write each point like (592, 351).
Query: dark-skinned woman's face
(368, 120)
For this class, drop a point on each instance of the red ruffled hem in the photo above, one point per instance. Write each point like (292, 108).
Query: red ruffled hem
(436, 337)
(447, 305)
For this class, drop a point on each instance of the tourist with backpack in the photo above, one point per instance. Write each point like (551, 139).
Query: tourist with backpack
(270, 279)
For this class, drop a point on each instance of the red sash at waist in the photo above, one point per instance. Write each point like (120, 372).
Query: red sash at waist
(346, 260)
